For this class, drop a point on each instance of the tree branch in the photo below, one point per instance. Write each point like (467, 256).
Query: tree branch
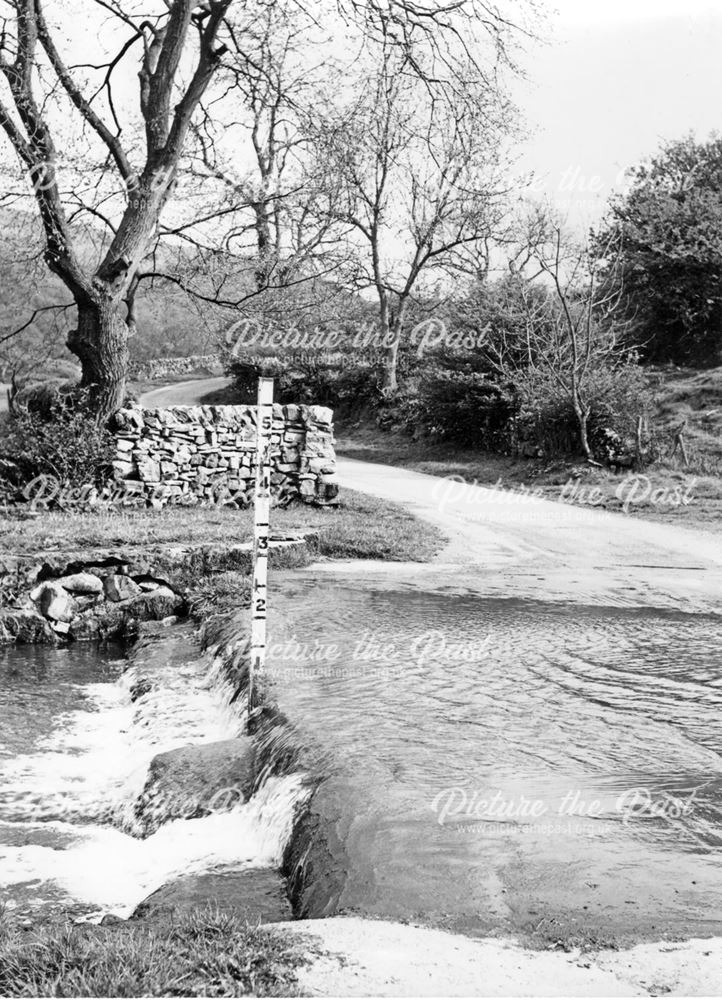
(73, 91)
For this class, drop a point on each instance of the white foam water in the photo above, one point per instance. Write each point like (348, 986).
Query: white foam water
(89, 772)
(113, 872)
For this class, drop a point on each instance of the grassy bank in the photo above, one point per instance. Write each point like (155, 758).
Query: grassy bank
(667, 492)
(204, 953)
(361, 527)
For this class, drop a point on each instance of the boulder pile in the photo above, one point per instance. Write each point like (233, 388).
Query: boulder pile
(104, 593)
(100, 603)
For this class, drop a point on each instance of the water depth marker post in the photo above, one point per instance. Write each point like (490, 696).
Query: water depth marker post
(261, 526)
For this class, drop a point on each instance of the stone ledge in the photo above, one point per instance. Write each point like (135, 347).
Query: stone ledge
(146, 560)
(255, 895)
(105, 593)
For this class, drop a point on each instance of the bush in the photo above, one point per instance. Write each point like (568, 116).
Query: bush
(545, 420)
(462, 405)
(61, 439)
(345, 386)
(460, 398)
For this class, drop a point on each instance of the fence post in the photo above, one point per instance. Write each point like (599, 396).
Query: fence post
(261, 524)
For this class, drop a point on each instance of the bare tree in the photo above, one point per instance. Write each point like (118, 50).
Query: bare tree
(571, 328)
(40, 88)
(103, 176)
(277, 228)
(420, 172)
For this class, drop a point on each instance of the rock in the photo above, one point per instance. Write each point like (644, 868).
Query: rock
(141, 688)
(85, 626)
(123, 470)
(255, 895)
(324, 465)
(27, 627)
(82, 583)
(195, 781)
(122, 619)
(120, 588)
(149, 471)
(321, 414)
(56, 603)
(86, 601)
(160, 604)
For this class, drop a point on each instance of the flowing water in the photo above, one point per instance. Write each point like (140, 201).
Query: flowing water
(77, 740)
(504, 765)
(489, 765)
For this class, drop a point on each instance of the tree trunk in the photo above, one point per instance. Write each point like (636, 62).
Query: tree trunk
(101, 344)
(583, 419)
(263, 244)
(391, 382)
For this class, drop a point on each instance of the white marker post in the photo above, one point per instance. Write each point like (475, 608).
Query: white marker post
(262, 515)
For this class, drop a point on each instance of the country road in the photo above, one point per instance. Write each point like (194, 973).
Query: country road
(504, 544)
(182, 393)
(511, 545)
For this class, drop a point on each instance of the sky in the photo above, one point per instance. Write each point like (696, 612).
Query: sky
(616, 78)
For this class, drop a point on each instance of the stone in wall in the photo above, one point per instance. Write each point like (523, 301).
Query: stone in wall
(163, 367)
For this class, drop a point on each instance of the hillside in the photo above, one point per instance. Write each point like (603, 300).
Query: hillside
(692, 398)
(170, 322)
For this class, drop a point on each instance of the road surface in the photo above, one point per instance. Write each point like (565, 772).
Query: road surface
(510, 545)
(182, 393)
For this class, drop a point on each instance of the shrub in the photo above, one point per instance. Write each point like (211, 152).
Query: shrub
(464, 406)
(344, 385)
(545, 420)
(60, 439)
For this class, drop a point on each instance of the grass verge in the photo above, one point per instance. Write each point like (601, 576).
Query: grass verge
(665, 493)
(203, 953)
(360, 527)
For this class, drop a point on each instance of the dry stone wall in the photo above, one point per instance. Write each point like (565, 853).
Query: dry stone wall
(164, 367)
(196, 454)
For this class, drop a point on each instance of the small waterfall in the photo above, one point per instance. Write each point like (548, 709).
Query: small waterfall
(81, 790)
(112, 871)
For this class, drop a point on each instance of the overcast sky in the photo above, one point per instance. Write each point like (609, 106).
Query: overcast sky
(617, 77)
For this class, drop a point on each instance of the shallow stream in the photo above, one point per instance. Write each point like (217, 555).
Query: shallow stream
(504, 764)
(490, 766)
